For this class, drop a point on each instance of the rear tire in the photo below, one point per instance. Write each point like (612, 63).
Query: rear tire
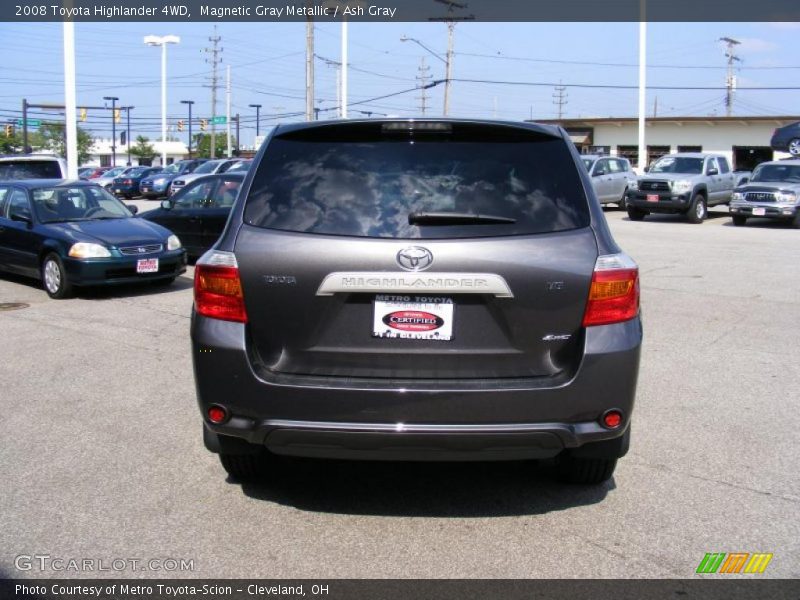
(636, 214)
(623, 202)
(164, 282)
(585, 471)
(697, 210)
(54, 277)
(739, 220)
(796, 220)
(244, 467)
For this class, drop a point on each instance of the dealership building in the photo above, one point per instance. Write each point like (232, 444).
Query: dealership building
(744, 140)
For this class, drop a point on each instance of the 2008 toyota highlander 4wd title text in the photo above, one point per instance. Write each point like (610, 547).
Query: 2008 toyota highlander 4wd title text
(417, 290)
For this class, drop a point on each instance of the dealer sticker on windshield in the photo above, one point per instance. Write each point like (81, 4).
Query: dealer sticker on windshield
(413, 317)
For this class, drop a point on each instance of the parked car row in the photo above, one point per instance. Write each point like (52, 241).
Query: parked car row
(689, 183)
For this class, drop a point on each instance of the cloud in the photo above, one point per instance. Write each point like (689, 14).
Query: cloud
(784, 25)
(754, 45)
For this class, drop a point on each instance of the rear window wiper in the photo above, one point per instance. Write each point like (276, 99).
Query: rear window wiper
(456, 218)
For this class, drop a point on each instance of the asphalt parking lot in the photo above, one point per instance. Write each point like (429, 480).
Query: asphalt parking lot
(101, 453)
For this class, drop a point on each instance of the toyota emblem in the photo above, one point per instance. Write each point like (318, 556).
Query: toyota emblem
(414, 258)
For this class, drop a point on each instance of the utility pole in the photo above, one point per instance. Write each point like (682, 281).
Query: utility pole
(655, 107)
(189, 102)
(310, 69)
(730, 80)
(128, 133)
(215, 60)
(237, 135)
(343, 81)
(113, 128)
(560, 99)
(228, 108)
(423, 79)
(451, 25)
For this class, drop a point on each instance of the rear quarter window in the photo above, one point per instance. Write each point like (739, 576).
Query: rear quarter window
(360, 181)
(30, 169)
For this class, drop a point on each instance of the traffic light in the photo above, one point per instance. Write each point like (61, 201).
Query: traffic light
(83, 114)
(180, 125)
(203, 124)
(9, 130)
(117, 115)
(123, 138)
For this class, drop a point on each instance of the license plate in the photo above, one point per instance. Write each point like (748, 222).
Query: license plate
(413, 318)
(147, 265)
(652, 197)
(759, 211)
(145, 189)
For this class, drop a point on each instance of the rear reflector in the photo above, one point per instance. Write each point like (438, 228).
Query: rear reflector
(612, 419)
(217, 414)
(218, 289)
(614, 293)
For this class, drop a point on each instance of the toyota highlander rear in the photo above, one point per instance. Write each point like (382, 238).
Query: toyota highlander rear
(417, 290)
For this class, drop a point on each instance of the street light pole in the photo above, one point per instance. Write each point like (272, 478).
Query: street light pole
(113, 100)
(189, 102)
(258, 117)
(154, 40)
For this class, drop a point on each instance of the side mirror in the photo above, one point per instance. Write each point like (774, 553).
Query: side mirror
(744, 180)
(166, 204)
(133, 208)
(647, 169)
(21, 217)
(598, 173)
(712, 171)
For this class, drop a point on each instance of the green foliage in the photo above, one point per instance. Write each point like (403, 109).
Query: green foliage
(143, 149)
(201, 147)
(51, 137)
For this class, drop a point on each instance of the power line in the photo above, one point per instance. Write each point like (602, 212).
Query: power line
(622, 87)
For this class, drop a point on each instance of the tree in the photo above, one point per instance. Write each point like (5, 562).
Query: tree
(10, 144)
(202, 145)
(52, 137)
(143, 150)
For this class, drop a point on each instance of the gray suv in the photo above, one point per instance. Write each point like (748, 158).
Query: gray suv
(773, 192)
(686, 183)
(417, 290)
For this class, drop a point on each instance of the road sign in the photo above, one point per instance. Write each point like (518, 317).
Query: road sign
(219, 120)
(31, 123)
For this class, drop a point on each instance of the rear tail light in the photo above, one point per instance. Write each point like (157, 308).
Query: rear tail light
(127, 182)
(614, 293)
(217, 287)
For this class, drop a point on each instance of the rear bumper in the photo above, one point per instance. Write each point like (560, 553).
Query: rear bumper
(408, 420)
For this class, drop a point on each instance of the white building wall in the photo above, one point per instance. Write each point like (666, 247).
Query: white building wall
(718, 137)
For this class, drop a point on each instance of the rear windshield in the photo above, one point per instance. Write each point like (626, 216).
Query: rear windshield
(29, 169)
(364, 181)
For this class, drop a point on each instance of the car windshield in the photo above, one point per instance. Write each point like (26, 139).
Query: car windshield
(29, 169)
(207, 167)
(138, 172)
(114, 172)
(172, 169)
(86, 171)
(242, 166)
(776, 173)
(86, 203)
(588, 162)
(679, 164)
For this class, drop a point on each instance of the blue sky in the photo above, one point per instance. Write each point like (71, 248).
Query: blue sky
(267, 64)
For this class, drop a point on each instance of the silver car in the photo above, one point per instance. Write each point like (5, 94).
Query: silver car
(772, 192)
(207, 168)
(107, 178)
(611, 177)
